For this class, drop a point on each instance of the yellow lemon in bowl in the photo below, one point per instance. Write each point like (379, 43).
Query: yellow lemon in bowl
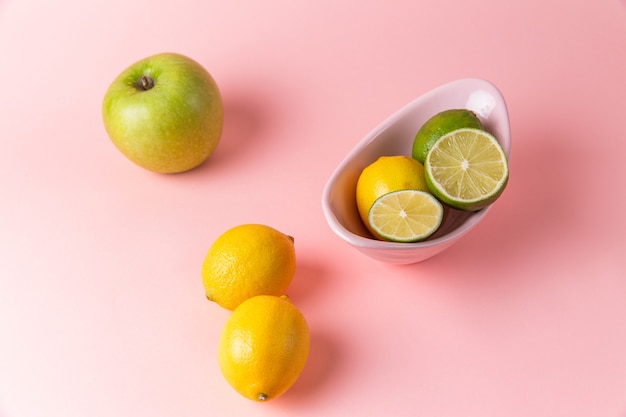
(385, 175)
(264, 347)
(248, 260)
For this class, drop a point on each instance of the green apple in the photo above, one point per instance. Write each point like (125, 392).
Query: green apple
(164, 113)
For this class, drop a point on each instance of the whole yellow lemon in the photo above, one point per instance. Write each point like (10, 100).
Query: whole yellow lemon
(248, 260)
(264, 347)
(387, 174)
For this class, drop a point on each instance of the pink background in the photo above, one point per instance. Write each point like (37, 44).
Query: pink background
(102, 311)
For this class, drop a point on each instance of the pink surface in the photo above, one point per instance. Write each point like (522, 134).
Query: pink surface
(102, 311)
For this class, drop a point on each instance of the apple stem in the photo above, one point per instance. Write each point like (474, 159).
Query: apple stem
(146, 82)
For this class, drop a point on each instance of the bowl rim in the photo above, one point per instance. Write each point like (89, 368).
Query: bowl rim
(371, 243)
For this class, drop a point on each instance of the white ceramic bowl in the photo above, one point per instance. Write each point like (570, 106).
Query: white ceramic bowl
(395, 137)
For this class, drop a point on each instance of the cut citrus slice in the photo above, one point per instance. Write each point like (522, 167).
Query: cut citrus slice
(387, 174)
(405, 216)
(467, 169)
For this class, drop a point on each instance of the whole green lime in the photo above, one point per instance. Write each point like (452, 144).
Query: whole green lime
(441, 124)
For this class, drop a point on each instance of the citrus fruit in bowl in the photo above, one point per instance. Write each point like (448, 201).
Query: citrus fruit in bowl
(439, 125)
(396, 136)
(467, 169)
(405, 216)
(385, 175)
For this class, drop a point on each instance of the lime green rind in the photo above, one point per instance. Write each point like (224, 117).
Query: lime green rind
(415, 238)
(467, 205)
(462, 204)
(439, 125)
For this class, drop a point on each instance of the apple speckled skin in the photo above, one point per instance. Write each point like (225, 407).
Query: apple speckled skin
(164, 113)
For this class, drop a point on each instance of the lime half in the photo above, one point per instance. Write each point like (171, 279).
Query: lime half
(405, 216)
(467, 169)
